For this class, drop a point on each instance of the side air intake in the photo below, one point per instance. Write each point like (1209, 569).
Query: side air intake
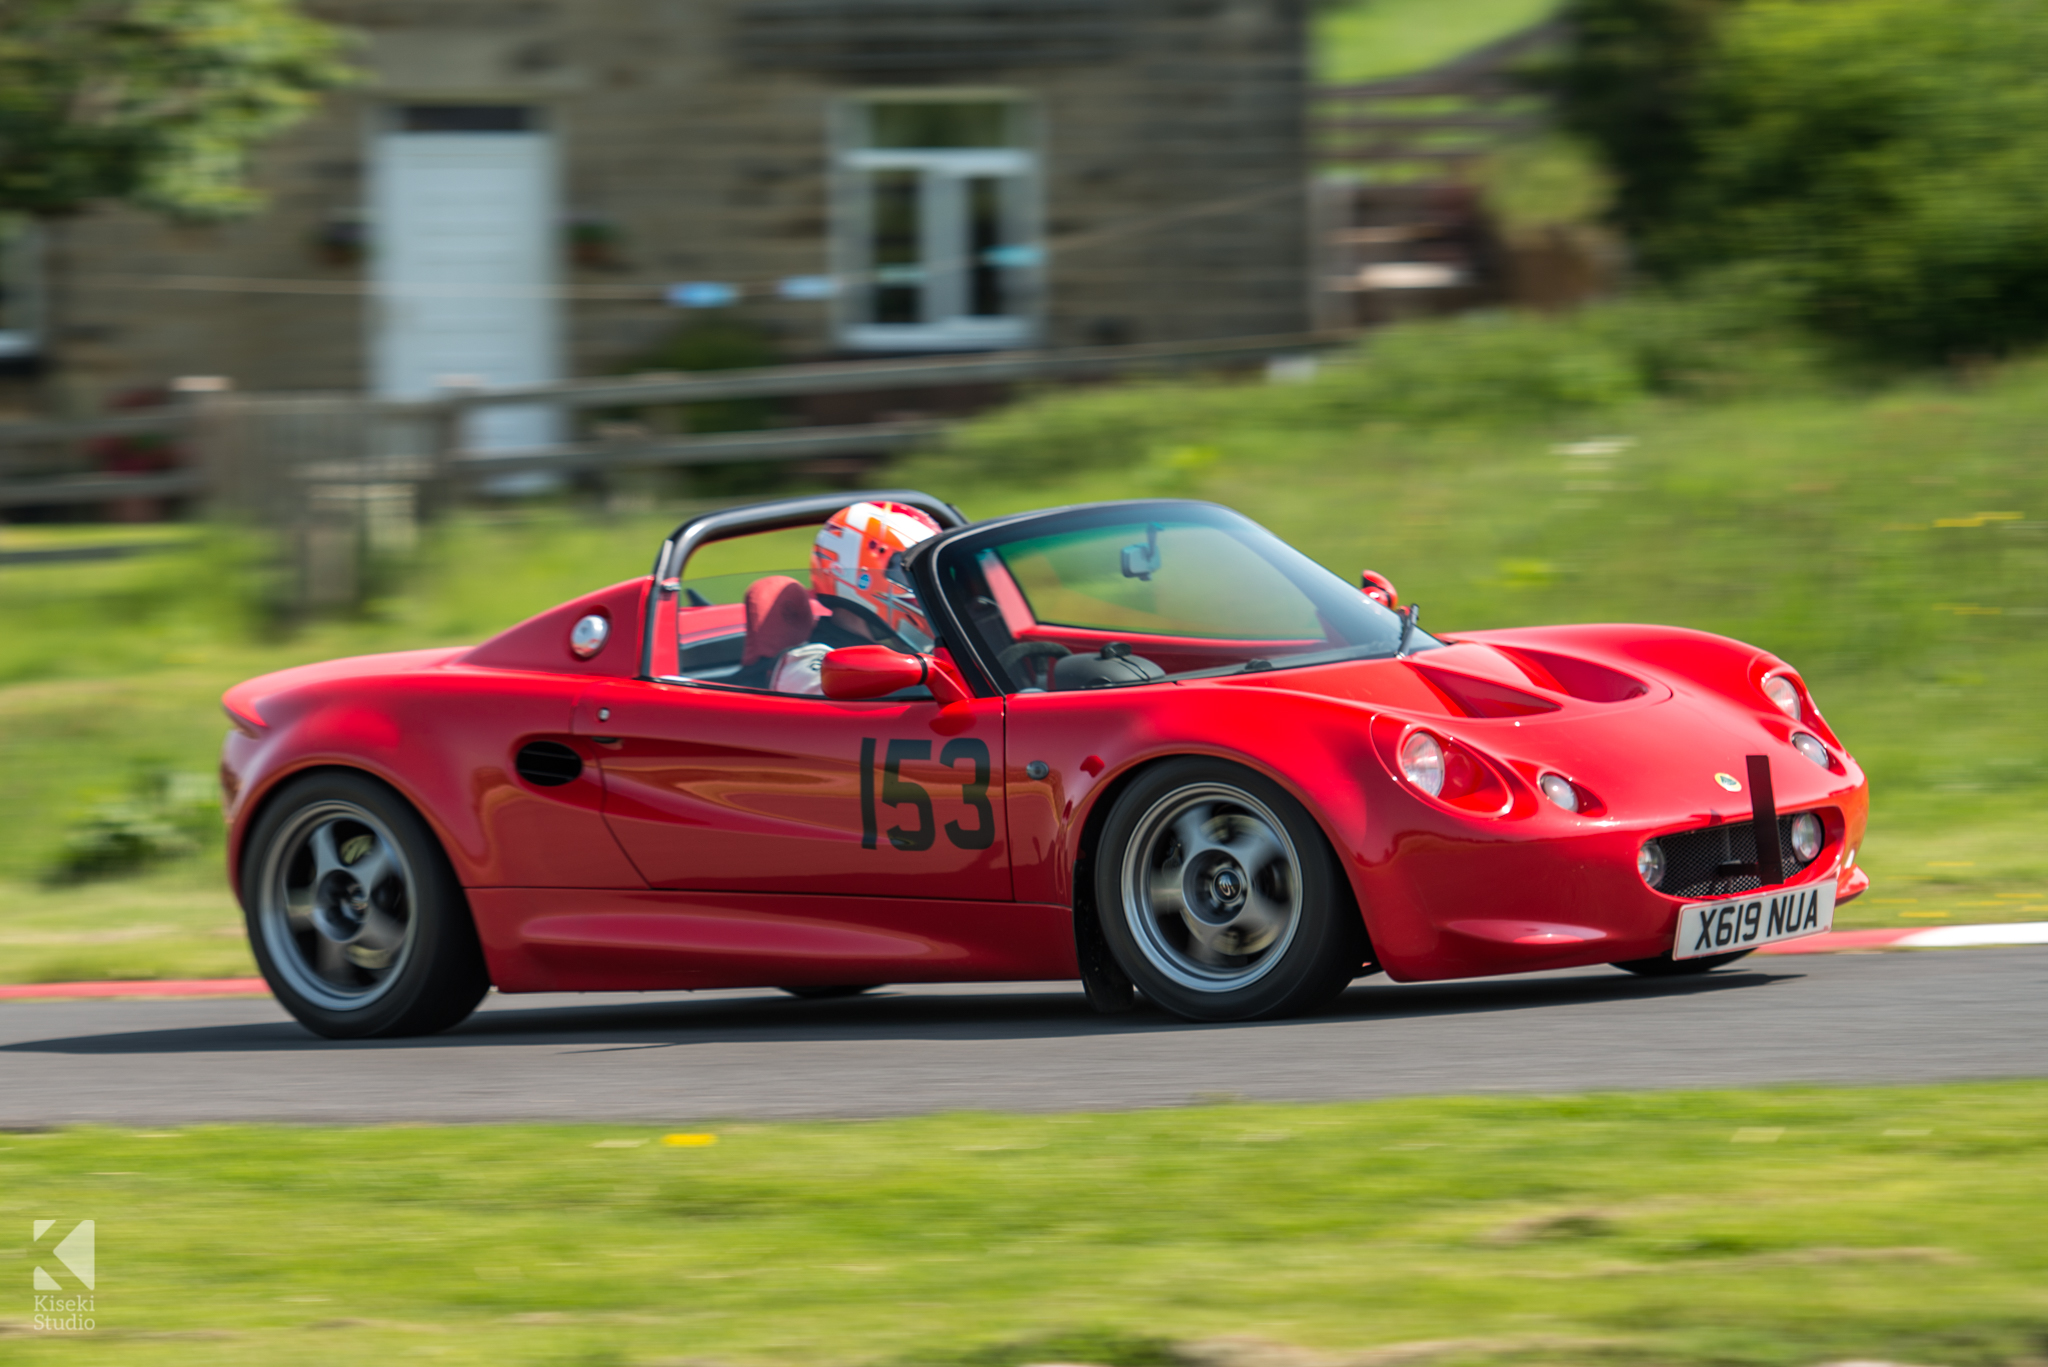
(548, 764)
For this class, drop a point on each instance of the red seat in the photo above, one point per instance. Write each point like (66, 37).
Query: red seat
(780, 614)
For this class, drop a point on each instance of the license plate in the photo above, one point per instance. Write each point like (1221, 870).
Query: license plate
(1757, 918)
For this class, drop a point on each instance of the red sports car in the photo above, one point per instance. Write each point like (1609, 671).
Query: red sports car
(835, 742)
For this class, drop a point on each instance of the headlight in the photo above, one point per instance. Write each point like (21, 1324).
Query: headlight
(1806, 836)
(1784, 693)
(1422, 762)
(1811, 747)
(1559, 790)
(1650, 862)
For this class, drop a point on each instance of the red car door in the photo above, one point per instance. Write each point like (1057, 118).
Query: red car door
(720, 789)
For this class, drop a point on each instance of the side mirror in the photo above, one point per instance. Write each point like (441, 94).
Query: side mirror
(858, 673)
(1379, 588)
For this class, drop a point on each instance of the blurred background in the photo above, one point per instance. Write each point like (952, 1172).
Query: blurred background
(369, 324)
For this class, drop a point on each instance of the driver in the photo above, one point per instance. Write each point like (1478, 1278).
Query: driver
(857, 577)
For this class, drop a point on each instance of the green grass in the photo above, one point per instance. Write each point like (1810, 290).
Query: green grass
(112, 671)
(1780, 1227)
(1364, 40)
(1807, 523)
(174, 922)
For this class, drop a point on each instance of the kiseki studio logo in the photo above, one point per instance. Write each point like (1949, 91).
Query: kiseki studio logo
(66, 1275)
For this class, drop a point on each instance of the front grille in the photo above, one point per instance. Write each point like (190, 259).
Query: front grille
(1692, 859)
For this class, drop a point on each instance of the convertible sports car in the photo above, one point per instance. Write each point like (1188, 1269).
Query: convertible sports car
(1147, 745)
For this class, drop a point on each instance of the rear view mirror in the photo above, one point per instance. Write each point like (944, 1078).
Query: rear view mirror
(1142, 561)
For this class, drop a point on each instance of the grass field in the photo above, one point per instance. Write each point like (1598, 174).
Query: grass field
(1363, 40)
(1893, 545)
(1775, 1228)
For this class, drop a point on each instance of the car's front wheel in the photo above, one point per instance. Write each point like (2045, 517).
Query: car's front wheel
(355, 917)
(1221, 898)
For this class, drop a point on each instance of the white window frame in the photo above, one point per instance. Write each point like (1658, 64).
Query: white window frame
(21, 267)
(943, 171)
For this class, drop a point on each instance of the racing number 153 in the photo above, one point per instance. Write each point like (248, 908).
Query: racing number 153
(898, 791)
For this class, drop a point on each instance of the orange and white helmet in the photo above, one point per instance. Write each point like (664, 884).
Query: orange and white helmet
(854, 558)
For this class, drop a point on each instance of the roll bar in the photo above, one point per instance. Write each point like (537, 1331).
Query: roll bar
(782, 513)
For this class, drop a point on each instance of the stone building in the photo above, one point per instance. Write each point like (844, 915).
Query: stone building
(522, 190)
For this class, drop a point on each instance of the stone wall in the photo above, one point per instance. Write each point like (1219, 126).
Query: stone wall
(693, 139)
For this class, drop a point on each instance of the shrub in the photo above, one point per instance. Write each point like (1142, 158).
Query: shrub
(1886, 160)
(1731, 338)
(165, 816)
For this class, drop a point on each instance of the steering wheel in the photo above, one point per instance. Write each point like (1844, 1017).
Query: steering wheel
(1017, 655)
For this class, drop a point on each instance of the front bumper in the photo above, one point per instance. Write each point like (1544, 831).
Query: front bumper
(1451, 903)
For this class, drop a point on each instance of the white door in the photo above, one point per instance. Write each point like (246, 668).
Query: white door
(465, 250)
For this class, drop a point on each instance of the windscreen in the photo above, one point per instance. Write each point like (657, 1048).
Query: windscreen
(1132, 594)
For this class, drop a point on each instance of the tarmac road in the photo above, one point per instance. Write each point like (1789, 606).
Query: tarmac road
(1924, 1016)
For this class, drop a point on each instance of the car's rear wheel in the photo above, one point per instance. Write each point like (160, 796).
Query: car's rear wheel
(1664, 966)
(355, 917)
(1220, 897)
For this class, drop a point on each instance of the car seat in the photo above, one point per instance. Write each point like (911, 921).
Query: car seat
(781, 613)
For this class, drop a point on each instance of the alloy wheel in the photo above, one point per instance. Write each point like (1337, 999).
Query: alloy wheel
(1212, 887)
(337, 905)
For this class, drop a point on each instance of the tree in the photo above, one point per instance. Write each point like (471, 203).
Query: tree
(155, 102)
(1884, 162)
(1630, 84)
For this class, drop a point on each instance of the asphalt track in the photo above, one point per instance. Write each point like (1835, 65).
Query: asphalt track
(1923, 1016)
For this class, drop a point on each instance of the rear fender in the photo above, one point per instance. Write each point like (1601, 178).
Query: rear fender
(445, 739)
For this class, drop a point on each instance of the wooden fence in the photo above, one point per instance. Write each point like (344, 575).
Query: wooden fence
(1401, 229)
(343, 477)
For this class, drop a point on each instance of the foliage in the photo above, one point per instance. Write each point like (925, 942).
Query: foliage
(1886, 159)
(1728, 338)
(159, 102)
(163, 815)
(1630, 84)
(1545, 182)
(1839, 528)
(1704, 1229)
(1892, 157)
(1367, 40)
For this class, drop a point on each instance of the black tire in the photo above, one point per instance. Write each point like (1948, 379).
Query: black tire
(827, 994)
(355, 915)
(1200, 858)
(1664, 966)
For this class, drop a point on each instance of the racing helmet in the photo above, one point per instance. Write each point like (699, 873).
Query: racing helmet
(854, 560)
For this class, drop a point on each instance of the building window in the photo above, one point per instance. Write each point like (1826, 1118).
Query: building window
(21, 288)
(938, 224)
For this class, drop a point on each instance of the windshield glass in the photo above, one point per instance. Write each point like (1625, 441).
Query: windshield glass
(1138, 592)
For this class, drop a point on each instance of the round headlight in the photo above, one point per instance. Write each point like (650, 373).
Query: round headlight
(1784, 693)
(1650, 862)
(1559, 790)
(1422, 762)
(1806, 836)
(1811, 747)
